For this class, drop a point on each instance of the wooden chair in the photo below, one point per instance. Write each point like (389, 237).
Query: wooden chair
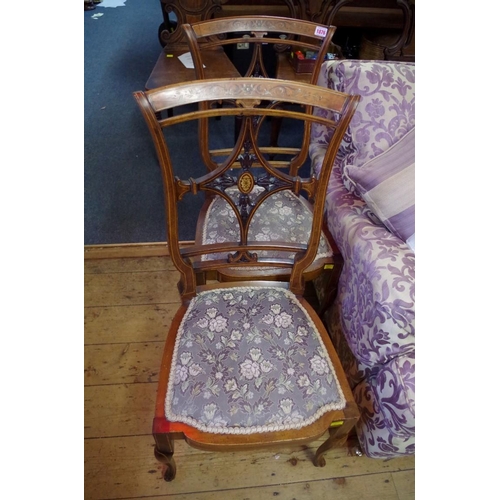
(279, 36)
(246, 38)
(246, 364)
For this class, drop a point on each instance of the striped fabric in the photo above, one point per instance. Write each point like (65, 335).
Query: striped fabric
(387, 184)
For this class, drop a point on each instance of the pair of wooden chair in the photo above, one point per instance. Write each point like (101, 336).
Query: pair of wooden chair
(247, 361)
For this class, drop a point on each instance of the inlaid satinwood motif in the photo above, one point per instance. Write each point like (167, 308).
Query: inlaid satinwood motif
(246, 182)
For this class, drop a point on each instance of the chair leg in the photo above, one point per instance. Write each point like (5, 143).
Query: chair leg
(332, 283)
(337, 437)
(164, 453)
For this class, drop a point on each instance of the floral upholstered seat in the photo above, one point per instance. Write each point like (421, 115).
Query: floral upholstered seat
(251, 360)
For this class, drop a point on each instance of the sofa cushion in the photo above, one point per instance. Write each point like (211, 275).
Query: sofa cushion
(387, 184)
(411, 241)
(385, 113)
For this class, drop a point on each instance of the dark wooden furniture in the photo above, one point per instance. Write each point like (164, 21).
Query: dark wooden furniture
(368, 17)
(211, 361)
(90, 4)
(169, 69)
(355, 17)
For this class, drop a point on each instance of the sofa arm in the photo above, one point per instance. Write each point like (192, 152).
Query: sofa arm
(377, 285)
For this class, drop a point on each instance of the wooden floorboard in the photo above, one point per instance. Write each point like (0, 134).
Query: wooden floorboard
(354, 488)
(101, 266)
(129, 303)
(122, 363)
(127, 407)
(122, 324)
(405, 483)
(126, 468)
(119, 289)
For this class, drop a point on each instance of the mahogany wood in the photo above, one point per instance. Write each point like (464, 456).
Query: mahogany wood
(118, 454)
(245, 96)
(168, 70)
(192, 95)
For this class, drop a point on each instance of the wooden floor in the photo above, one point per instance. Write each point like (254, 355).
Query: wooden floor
(129, 303)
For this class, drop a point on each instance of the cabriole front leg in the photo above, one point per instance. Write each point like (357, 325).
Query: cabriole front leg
(164, 453)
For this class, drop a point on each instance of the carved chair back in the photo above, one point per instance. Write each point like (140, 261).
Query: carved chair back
(246, 179)
(251, 35)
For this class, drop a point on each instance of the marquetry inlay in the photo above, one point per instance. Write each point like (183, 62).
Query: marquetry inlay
(246, 183)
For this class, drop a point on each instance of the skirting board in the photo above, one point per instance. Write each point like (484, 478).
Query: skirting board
(136, 250)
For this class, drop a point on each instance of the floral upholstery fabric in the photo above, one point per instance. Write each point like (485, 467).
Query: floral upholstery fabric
(387, 424)
(377, 288)
(281, 217)
(250, 360)
(386, 397)
(372, 321)
(385, 113)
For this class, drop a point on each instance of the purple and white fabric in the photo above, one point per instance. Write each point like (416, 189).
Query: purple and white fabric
(387, 184)
(250, 360)
(372, 321)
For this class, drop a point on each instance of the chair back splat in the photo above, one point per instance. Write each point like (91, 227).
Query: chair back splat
(235, 181)
(246, 363)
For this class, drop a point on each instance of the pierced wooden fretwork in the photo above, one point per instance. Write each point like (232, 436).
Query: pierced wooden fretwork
(246, 159)
(244, 256)
(269, 182)
(223, 182)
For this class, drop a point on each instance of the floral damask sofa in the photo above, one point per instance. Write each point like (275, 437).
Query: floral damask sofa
(372, 321)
